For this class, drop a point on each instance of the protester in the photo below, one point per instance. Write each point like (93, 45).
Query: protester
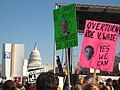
(104, 88)
(118, 86)
(19, 85)
(79, 84)
(9, 85)
(25, 83)
(101, 85)
(115, 84)
(88, 79)
(109, 84)
(119, 81)
(3, 79)
(90, 86)
(47, 81)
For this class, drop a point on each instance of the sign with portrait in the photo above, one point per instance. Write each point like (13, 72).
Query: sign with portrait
(32, 77)
(99, 45)
(65, 25)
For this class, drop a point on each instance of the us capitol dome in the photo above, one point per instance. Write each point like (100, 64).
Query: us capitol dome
(34, 59)
(34, 65)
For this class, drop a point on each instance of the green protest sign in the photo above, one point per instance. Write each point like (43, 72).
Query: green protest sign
(65, 25)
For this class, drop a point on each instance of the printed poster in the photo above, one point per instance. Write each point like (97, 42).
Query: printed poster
(65, 25)
(99, 45)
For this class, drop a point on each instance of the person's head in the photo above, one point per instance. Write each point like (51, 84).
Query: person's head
(101, 85)
(114, 82)
(80, 81)
(90, 86)
(25, 80)
(109, 82)
(118, 80)
(89, 51)
(87, 79)
(9, 85)
(104, 88)
(64, 26)
(47, 81)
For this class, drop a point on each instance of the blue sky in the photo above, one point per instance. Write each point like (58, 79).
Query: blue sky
(31, 21)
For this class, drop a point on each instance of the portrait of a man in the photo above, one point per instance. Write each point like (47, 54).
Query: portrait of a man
(88, 51)
(64, 27)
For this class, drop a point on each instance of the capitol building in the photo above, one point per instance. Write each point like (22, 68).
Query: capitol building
(34, 66)
(35, 61)
(13, 58)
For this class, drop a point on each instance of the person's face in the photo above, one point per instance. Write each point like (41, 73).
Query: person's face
(88, 53)
(64, 26)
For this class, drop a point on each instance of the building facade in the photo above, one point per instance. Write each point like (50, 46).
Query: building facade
(12, 60)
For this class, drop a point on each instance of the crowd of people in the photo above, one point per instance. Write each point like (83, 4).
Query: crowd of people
(45, 81)
(50, 81)
(86, 83)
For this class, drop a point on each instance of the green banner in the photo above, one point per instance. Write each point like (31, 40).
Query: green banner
(65, 25)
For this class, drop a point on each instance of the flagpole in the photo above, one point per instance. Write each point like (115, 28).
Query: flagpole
(68, 69)
(54, 48)
(54, 57)
(71, 52)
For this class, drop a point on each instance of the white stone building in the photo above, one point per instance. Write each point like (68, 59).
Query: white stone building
(12, 60)
(35, 66)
